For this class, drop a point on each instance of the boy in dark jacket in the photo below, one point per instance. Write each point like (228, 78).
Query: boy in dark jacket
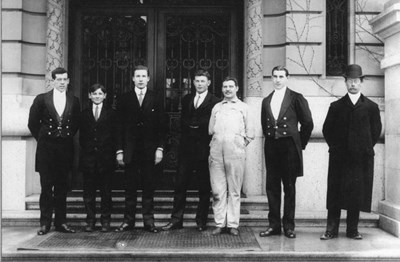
(97, 160)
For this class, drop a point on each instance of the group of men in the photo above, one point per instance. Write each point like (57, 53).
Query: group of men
(213, 143)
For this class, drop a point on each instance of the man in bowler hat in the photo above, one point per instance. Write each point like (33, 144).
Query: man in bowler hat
(351, 129)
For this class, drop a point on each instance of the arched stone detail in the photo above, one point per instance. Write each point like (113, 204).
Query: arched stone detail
(55, 41)
(254, 48)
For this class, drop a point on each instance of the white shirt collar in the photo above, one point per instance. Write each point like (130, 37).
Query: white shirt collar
(354, 97)
(202, 95)
(99, 105)
(280, 92)
(137, 90)
(58, 93)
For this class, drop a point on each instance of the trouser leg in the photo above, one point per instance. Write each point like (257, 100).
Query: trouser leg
(333, 220)
(352, 219)
(219, 191)
(204, 187)
(181, 185)
(234, 168)
(60, 198)
(130, 194)
(46, 200)
(289, 187)
(89, 196)
(148, 172)
(106, 197)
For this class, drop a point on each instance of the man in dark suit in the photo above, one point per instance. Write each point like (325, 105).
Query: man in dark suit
(97, 160)
(194, 150)
(351, 130)
(140, 144)
(281, 113)
(53, 122)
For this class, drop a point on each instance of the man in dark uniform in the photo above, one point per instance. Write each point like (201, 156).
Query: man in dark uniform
(194, 150)
(351, 129)
(281, 113)
(141, 133)
(53, 122)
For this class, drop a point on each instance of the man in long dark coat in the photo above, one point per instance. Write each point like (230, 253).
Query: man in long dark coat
(351, 129)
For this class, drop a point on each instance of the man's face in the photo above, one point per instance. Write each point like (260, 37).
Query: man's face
(141, 78)
(201, 84)
(97, 96)
(61, 82)
(353, 85)
(279, 79)
(229, 89)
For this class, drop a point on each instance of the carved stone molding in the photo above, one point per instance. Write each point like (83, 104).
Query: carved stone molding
(55, 31)
(254, 48)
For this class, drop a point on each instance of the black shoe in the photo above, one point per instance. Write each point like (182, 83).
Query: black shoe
(328, 235)
(172, 226)
(270, 232)
(89, 227)
(124, 227)
(105, 227)
(289, 233)
(354, 235)
(151, 228)
(64, 228)
(201, 228)
(43, 230)
(234, 231)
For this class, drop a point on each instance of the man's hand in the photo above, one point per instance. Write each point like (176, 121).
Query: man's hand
(158, 157)
(120, 159)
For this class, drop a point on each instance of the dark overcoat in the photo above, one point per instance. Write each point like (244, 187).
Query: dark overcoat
(194, 126)
(54, 133)
(351, 131)
(146, 122)
(294, 111)
(97, 140)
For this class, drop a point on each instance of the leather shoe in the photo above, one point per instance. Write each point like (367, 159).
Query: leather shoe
(201, 228)
(234, 231)
(89, 227)
(64, 228)
(289, 233)
(216, 231)
(328, 235)
(105, 227)
(269, 232)
(43, 230)
(354, 235)
(172, 226)
(151, 228)
(124, 227)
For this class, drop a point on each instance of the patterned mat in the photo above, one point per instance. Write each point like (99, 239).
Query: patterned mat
(138, 239)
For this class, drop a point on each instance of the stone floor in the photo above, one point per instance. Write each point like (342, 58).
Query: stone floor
(377, 245)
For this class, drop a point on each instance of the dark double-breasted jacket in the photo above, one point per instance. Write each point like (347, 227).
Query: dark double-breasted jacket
(146, 123)
(97, 140)
(294, 110)
(351, 131)
(194, 125)
(54, 133)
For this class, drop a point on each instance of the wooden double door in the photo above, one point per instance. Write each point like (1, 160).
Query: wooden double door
(173, 38)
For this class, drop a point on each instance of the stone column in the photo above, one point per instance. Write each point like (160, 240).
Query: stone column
(387, 26)
(254, 181)
(55, 37)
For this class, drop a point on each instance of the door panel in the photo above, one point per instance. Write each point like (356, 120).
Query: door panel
(107, 43)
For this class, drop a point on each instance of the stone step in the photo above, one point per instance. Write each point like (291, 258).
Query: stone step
(252, 218)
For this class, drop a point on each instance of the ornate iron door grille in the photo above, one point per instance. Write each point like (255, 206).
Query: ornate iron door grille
(192, 42)
(113, 46)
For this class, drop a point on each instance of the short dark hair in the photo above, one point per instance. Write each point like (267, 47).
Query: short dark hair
(231, 78)
(202, 72)
(141, 67)
(58, 71)
(280, 68)
(96, 86)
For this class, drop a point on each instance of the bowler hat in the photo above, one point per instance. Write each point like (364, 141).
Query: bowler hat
(353, 71)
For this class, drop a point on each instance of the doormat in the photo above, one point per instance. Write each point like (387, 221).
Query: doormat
(138, 239)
